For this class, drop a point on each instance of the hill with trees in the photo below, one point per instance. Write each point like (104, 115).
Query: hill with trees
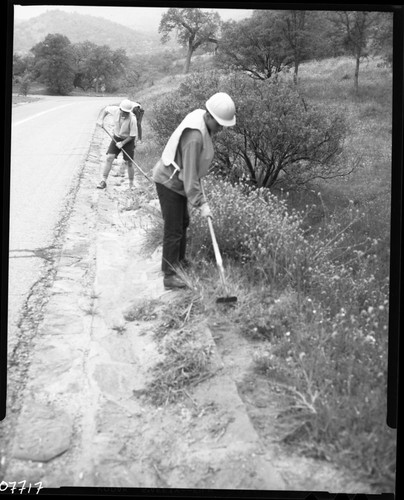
(80, 28)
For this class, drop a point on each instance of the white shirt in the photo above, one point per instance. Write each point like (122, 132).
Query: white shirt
(123, 128)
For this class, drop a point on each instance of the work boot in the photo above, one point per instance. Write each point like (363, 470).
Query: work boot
(173, 281)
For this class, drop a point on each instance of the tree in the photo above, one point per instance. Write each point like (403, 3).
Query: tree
(54, 63)
(357, 29)
(22, 72)
(25, 83)
(194, 28)
(104, 66)
(299, 33)
(81, 53)
(253, 45)
(382, 37)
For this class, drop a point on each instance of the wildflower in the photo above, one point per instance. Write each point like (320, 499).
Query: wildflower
(370, 339)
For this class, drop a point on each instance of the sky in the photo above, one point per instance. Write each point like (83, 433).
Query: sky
(133, 17)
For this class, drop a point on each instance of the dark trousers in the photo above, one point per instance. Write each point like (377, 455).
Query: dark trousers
(174, 209)
(129, 148)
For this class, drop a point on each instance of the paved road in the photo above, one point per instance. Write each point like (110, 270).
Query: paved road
(50, 139)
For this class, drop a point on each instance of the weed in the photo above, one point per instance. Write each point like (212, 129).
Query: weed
(143, 311)
(119, 328)
(186, 363)
(179, 312)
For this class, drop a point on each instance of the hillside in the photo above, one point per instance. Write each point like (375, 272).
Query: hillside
(79, 28)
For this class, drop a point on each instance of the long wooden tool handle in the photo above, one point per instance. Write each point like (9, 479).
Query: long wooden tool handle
(214, 242)
(217, 254)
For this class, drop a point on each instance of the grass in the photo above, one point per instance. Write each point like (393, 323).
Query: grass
(312, 281)
(186, 350)
(144, 311)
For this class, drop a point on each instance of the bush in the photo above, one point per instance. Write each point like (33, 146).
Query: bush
(252, 227)
(25, 84)
(276, 135)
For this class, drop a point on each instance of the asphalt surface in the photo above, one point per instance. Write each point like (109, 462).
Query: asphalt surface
(49, 142)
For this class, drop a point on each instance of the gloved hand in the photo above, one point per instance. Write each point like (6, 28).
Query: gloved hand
(119, 145)
(205, 211)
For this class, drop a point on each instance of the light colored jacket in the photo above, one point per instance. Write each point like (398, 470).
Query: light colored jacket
(172, 176)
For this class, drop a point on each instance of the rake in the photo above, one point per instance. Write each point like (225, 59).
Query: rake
(228, 298)
(123, 151)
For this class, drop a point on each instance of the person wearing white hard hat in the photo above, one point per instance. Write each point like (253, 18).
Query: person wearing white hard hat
(124, 136)
(186, 158)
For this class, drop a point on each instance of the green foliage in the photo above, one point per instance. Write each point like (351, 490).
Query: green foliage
(192, 25)
(382, 37)
(254, 228)
(253, 45)
(63, 66)
(270, 40)
(276, 134)
(357, 28)
(22, 65)
(54, 63)
(82, 52)
(194, 28)
(104, 66)
(25, 84)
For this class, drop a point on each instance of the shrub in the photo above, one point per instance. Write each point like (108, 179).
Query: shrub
(252, 227)
(276, 134)
(25, 84)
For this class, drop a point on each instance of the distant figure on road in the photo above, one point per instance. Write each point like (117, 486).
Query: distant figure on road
(138, 111)
(186, 158)
(125, 129)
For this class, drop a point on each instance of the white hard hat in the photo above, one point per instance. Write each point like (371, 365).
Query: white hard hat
(222, 108)
(126, 105)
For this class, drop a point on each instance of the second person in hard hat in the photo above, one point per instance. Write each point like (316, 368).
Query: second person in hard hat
(186, 158)
(125, 129)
